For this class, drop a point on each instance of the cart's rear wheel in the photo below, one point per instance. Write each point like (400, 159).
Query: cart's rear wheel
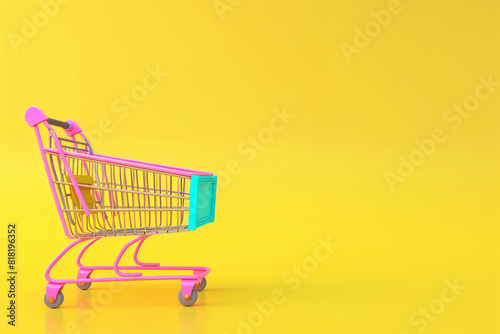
(56, 303)
(84, 286)
(191, 301)
(202, 285)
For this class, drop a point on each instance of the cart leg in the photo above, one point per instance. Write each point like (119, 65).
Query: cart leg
(187, 287)
(53, 297)
(84, 249)
(139, 263)
(84, 273)
(52, 291)
(58, 257)
(119, 257)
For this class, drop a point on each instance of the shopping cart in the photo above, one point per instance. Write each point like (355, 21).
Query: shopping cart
(101, 196)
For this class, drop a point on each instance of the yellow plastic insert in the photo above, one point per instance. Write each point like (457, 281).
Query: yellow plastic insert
(86, 192)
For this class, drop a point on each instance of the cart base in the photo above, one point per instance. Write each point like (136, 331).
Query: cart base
(189, 283)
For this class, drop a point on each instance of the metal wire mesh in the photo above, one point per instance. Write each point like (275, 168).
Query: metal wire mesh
(122, 200)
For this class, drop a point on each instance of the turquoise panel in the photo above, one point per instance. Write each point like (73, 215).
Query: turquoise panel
(202, 200)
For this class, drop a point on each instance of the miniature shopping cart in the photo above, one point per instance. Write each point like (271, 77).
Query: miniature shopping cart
(101, 196)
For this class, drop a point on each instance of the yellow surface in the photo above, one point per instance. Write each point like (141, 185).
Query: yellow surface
(356, 105)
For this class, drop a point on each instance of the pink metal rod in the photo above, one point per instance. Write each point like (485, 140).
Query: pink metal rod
(203, 270)
(194, 171)
(51, 182)
(145, 264)
(142, 278)
(113, 160)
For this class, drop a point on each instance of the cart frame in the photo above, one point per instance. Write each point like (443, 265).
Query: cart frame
(76, 215)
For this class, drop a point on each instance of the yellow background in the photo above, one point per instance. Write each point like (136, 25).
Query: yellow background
(323, 175)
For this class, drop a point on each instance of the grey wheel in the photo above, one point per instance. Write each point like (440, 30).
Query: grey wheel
(59, 300)
(191, 301)
(84, 286)
(202, 285)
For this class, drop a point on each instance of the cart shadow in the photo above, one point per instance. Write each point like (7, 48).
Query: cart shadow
(96, 303)
(91, 306)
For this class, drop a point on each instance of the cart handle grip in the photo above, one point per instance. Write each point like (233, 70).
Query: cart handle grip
(35, 116)
(61, 124)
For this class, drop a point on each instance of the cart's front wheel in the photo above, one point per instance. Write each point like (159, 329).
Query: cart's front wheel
(190, 301)
(202, 285)
(84, 286)
(55, 303)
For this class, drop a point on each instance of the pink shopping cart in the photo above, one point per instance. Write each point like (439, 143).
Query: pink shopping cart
(101, 196)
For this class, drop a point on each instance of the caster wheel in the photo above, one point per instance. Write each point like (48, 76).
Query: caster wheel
(191, 301)
(84, 286)
(202, 285)
(59, 300)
